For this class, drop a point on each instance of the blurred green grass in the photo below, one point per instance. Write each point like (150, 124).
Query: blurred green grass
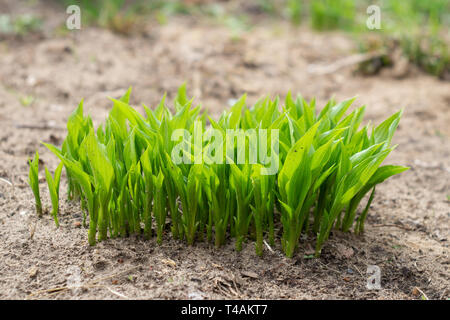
(350, 15)
(19, 25)
(420, 26)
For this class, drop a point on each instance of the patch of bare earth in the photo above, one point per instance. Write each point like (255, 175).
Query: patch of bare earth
(407, 232)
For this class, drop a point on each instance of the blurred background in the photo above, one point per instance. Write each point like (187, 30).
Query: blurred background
(221, 48)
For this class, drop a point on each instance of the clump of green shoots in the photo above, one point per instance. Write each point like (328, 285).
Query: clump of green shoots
(139, 174)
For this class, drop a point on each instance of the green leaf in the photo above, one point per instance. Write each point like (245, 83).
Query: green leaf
(102, 169)
(385, 131)
(295, 156)
(53, 188)
(236, 113)
(33, 180)
(385, 172)
(337, 111)
(361, 174)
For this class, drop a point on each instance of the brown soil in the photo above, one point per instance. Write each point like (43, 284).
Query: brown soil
(407, 232)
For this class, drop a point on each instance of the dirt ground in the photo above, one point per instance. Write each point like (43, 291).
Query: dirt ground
(407, 232)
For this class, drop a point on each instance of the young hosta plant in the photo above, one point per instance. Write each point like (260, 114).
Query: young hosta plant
(221, 202)
(159, 203)
(136, 173)
(240, 182)
(149, 191)
(262, 208)
(33, 180)
(103, 174)
(298, 181)
(53, 188)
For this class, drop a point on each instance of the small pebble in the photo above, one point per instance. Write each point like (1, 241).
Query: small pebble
(32, 272)
(169, 262)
